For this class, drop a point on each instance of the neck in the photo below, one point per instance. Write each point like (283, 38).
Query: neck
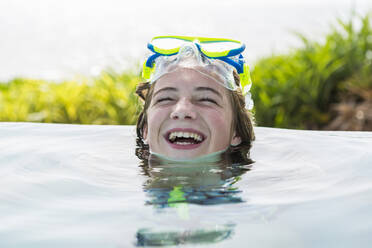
(208, 158)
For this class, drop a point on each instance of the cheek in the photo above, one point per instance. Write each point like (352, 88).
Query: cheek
(155, 117)
(220, 121)
(220, 128)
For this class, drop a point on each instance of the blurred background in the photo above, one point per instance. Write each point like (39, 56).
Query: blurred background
(77, 61)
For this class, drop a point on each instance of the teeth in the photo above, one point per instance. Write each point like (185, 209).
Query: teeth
(183, 143)
(174, 135)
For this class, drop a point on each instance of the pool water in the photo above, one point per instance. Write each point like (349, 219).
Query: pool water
(83, 186)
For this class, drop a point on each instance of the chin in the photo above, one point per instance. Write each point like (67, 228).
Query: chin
(185, 155)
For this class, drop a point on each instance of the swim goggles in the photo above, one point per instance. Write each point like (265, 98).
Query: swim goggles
(214, 57)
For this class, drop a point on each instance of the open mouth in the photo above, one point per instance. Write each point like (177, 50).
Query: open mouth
(184, 138)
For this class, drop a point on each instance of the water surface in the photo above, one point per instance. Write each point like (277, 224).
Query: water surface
(82, 186)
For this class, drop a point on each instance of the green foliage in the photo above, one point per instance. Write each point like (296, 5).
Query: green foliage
(297, 90)
(108, 99)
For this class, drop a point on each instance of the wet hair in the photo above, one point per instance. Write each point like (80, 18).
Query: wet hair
(242, 122)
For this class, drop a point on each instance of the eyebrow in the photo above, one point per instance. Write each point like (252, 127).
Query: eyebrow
(165, 89)
(197, 89)
(209, 89)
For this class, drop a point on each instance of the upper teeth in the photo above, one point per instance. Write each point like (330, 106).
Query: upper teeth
(174, 135)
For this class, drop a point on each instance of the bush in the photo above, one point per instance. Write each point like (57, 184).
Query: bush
(298, 90)
(107, 99)
(307, 88)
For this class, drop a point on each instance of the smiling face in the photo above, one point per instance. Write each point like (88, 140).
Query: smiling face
(190, 115)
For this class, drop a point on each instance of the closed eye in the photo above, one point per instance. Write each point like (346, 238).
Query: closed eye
(206, 99)
(164, 99)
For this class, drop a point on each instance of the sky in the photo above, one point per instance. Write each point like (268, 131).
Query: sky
(56, 40)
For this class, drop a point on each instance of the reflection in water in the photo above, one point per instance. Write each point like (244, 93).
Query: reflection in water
(147, 237)
(208, 180)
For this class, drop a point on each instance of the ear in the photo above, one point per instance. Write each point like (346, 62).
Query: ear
(236, 140)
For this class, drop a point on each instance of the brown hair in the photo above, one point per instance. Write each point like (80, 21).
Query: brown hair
(242, 121)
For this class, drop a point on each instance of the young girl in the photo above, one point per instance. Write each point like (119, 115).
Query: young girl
(193, 100)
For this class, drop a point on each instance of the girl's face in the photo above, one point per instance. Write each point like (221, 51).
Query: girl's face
(190, 115)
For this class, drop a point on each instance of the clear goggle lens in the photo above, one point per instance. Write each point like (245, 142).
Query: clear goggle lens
(221, 46)
(216, 58)
(212, 48)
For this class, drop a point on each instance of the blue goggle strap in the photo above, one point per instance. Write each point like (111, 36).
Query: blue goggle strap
(238, 65)
(151, 59)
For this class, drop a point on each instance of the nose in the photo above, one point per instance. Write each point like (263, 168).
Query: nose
(183, 109)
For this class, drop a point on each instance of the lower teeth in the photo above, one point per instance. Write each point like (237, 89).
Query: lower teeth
(183, 143)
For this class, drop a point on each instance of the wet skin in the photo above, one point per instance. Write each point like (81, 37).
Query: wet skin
(190, 115)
